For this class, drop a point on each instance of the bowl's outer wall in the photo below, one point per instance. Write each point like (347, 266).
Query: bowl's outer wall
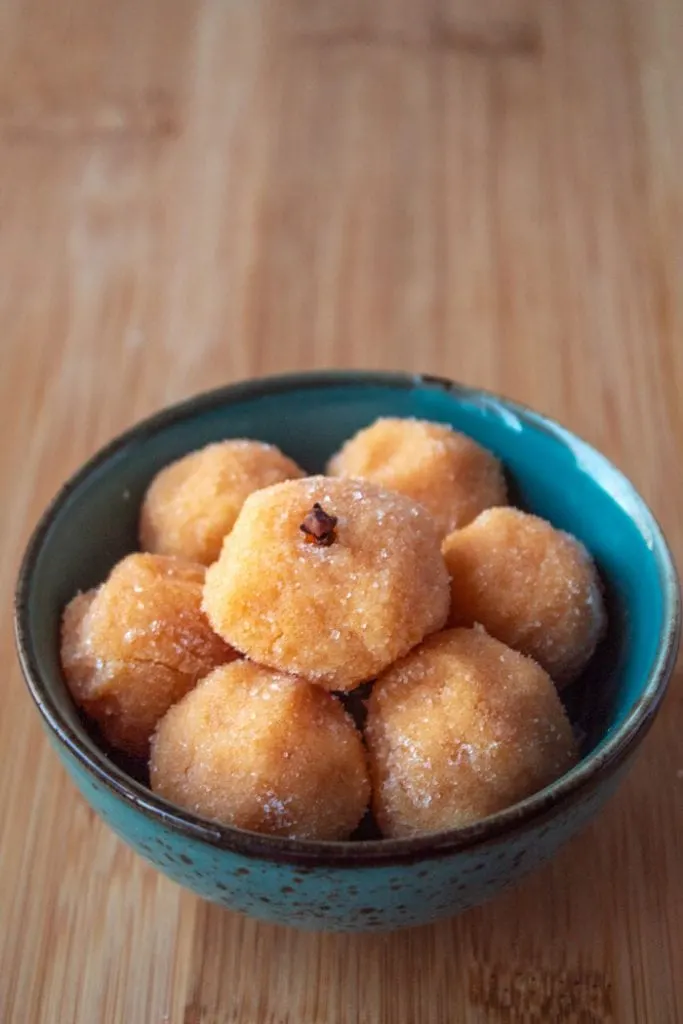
(331, 897)
(553, 474)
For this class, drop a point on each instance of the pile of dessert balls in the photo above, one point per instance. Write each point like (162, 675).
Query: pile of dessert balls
(225, 652)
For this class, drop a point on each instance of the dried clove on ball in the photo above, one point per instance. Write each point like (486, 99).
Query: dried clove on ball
(319, 527)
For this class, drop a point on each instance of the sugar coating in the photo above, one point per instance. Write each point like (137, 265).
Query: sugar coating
(447, 472)
(193, 503)
(137, 644)
(337, 614)
(531, 586)
(263, 751)
(460, 729)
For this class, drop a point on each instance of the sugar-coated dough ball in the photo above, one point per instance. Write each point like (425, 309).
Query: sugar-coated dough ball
(192, 504)
(137, 644)
(335, 613)
(447, 472)
(263, 751)
(530, 585)
(460, 729)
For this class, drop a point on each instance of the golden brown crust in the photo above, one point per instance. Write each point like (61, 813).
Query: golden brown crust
(193, 503)
(336, 614)
(530, 585)
(459, 729)
(447, 472)
(137, 644)
(263, 751)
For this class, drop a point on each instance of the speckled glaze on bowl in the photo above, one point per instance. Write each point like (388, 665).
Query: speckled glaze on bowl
(371, 884)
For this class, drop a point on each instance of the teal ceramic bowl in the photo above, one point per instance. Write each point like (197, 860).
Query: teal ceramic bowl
(370, 884)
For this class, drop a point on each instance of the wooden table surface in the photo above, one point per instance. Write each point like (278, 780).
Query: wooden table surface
(196, 191)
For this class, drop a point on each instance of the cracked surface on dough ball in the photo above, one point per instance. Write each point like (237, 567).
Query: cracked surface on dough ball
(137, 644)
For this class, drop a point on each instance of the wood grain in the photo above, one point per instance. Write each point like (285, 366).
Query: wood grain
(193, 191)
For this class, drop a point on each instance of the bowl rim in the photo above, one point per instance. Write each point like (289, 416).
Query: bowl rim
(534, 809)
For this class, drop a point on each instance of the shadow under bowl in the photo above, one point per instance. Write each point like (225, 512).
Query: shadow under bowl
(370, 884)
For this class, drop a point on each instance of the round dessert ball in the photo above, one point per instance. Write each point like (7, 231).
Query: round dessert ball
(460, 729)
(447, 472)
(263, 751)
(329, 579)
(137, 644)
(529, 585)
(192, 504)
